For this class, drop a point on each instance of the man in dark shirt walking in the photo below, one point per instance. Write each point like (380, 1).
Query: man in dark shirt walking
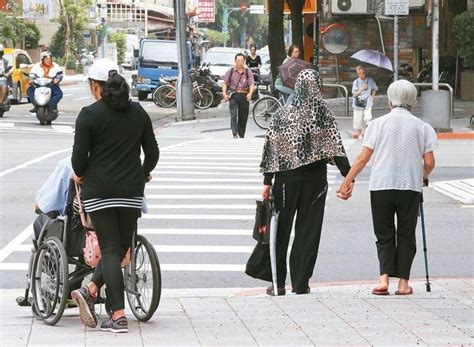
(238, 88)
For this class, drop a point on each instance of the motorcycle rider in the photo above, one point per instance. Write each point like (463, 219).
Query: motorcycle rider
(5, 72)
(46, 68)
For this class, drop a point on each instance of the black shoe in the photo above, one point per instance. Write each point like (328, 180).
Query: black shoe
(280, 290)
(86, 303)
(33, 110)
(302, 291)
(116, 326)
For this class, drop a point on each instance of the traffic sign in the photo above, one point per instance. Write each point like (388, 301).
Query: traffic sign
(397, 7)
(257, 9)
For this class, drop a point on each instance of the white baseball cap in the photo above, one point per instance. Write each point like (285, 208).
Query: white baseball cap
(100, 70)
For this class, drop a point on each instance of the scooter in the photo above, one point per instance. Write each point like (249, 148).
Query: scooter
(6, 103)
(43, 95)
(207, 81)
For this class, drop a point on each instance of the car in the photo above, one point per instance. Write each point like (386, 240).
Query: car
(22, 63)
(220, 59)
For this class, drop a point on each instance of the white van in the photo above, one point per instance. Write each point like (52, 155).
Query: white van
(220, 59)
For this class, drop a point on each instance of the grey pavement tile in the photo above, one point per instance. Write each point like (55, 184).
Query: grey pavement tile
(446, 303)
(96, 337)
(14, 337)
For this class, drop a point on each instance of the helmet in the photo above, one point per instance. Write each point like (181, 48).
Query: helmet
(45, 54)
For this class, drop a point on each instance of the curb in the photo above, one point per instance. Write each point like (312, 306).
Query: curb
(455, 136)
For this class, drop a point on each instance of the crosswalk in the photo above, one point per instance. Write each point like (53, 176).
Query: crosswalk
(201, 208)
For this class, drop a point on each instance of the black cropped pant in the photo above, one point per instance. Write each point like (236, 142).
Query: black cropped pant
(114, 227)
(239, 113)
(307, 199)
(396, 244)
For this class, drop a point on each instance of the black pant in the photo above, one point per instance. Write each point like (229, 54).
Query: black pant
(396, 245)
(114, 227)
(239, 113)
(307, 199)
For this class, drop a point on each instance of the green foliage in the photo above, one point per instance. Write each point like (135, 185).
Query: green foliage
(120, 39)
(32, 41)
(216, 38)
(463, 28)
(71, 64)
(73, 20)
(13, 30)
(254, 26)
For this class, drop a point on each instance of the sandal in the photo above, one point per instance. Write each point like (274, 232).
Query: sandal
(378, 291)
(407, 293)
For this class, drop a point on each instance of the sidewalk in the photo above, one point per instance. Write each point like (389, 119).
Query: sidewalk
(332, 314)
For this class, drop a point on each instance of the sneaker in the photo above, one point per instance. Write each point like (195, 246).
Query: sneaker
(86, 303)
(116, 326)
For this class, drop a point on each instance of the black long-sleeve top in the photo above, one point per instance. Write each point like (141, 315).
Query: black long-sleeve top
(308, 171)
(107, 147)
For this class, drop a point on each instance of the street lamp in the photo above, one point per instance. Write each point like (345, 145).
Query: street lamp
(225, 20)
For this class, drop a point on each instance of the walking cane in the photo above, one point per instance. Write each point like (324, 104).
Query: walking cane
(423, 233)
(273, 237)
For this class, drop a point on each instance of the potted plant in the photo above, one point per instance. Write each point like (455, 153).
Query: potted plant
(463, 28)
(70, 67)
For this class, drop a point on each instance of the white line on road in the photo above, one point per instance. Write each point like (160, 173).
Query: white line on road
(209, 180)
(217, 159)
(197, 216)
(28, 163)
(200, 207)
(203, 187)
(160, 165)
(83, 98)
(63, 128)
(66, 95)
(201, 196)
(14, 244)
(164, 267)
(162, 172)
(7, 125)
(214, 232)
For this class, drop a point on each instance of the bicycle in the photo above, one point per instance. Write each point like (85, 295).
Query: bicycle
(264, 109)
(165, 95)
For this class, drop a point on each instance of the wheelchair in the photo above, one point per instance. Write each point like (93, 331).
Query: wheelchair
(56, 267)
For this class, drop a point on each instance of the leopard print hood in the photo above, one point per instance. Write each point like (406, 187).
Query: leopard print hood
(304, 131)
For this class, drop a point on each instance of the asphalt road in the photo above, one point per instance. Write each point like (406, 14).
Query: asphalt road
(202, 203)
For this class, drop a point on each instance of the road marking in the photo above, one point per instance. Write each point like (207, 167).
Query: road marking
(66, 95)
(162, 172)
(7, 125)
(460, 190)
(14, 244)
(215, 151)
(200, 207)
(149, 104)
(214, 158)
(28, 163)
(197, 216)
(250, 161)
(164, 267)
(83, 98)
(209, 180)
(220, 232)
(202, 187)
(160, 165)
(63, 129)
(201, 196)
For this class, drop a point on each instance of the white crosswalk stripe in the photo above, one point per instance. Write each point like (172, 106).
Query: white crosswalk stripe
(201, 206)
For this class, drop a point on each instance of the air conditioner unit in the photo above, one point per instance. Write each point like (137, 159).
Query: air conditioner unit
(417, 3)
(351, 7)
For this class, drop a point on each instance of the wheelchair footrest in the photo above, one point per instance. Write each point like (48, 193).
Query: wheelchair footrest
(22, 301)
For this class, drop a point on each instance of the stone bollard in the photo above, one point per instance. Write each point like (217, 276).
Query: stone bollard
(436, 109)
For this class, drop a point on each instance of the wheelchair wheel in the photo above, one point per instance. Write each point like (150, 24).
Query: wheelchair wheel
(49, 283)
(143, 280)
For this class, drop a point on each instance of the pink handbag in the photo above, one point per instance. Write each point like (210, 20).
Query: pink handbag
(91, 249)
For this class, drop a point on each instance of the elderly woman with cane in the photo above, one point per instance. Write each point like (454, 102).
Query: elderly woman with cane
(302, 139)
(402, 146)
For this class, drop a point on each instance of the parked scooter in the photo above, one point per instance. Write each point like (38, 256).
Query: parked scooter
(205, 79)
(42, 100)
(6, 103)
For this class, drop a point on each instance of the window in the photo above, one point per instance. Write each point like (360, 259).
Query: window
(22, 59)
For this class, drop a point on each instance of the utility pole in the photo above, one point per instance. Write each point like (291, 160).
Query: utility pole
(184, 91)
(316, 36)
(395, 48)
(435, 45)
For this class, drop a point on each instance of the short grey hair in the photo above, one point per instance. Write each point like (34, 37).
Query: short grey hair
(402, 93)
(360, 67)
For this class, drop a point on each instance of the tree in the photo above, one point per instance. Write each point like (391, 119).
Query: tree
(276, 42)
(14, 30)
(296, 8)
(120, 39)
(73, 21)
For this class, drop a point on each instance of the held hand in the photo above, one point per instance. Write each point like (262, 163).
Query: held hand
(77, 179)
(226, 97)
(345, 190)
(266, 193)
(148, 178)
(426, 182)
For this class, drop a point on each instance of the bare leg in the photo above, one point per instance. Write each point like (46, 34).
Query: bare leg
(383, 282)
(403, 286)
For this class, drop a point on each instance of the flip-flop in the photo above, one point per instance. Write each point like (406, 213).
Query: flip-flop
(377, 291)
(407, 293)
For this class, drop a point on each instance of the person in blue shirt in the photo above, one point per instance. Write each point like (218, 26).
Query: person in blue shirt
(365, 88)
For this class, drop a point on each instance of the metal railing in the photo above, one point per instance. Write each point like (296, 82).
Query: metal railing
(346, 92)
(451, 94)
